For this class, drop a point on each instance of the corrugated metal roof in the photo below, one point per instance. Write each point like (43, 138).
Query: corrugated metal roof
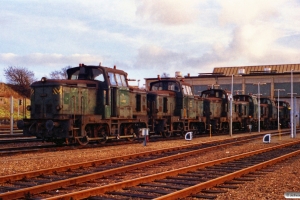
(274, 68)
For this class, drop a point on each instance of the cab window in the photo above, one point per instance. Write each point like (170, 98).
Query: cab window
(184, 89)
(112, 78)
(98, 75)
(189, 89)
(75, 75)
(123, 80)
(118, 78)
(156, 86)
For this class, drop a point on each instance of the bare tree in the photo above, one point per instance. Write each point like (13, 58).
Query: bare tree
(20, 78)
(62, 74)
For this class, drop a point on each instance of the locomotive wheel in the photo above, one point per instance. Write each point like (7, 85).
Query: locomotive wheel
(167, 134)
(59, 142)
(103, 141)
(70, 141)
(131, 133)
(89, 131)
(181, 134)
(130, 138)
(225, 128)
(102, 133)
(83, 141)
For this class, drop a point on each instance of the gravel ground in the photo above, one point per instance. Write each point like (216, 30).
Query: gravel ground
(286, 177)
(273, 185)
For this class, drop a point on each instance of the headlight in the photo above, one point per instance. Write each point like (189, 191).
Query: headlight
(28, 108)
(20, 124)
(58, 107)
(49, 125)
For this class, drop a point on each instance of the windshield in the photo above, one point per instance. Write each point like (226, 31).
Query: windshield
(187, 90)
(163, 85)
(117, 79)
(86, 73)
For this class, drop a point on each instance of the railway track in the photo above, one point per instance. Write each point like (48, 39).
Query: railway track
(19, 140)
(7, 130)
(7, 134)
(31, 149)
(28, 184)
(43, 147)
(46, 147)
(193, 181)
(16, 137)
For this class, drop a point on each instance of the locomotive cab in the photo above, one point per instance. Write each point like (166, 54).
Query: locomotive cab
(216, 110)
(284, 113)
(93, 103)
(172, 107)
(114, 103)
(246, 107)
(268, 113)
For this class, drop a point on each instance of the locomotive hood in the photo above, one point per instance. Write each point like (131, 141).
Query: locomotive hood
(48, 82)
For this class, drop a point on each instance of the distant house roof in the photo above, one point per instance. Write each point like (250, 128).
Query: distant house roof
(227, 71)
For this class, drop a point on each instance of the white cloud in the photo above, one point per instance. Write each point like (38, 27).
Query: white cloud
(151, 56)
(39, 59)
(168, 12)
(249, 11)
(257, 27)
(43, 64)
(149, 36)
(253, 40)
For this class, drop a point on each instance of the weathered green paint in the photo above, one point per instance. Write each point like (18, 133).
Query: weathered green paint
(107, 112)
(123, 103)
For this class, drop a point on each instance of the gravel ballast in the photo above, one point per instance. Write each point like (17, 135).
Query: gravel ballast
(273, 185)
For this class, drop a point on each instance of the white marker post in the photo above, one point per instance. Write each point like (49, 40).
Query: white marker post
(267, 138)
(11, 114)
(189, 136)
(145, 133)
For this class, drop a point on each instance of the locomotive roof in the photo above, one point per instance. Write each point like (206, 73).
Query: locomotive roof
(266, 100)
(58, 82)
(107, 69)
(170, 80)
(212, 89)
(88, 74)
(244, 97)
(215, 93)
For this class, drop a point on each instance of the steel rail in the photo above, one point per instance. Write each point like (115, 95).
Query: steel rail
(85, 178)
(16, 150)
(112, 187)
(211, 183)
(20, 176)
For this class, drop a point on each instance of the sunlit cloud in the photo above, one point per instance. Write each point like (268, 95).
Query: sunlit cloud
(168, 12)
(148, 37)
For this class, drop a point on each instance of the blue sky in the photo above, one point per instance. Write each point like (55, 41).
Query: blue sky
(147, 38)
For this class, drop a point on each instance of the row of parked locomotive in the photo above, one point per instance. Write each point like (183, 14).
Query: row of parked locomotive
(284, 113)
(96, 103)
(244, 111)
(220, 108)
